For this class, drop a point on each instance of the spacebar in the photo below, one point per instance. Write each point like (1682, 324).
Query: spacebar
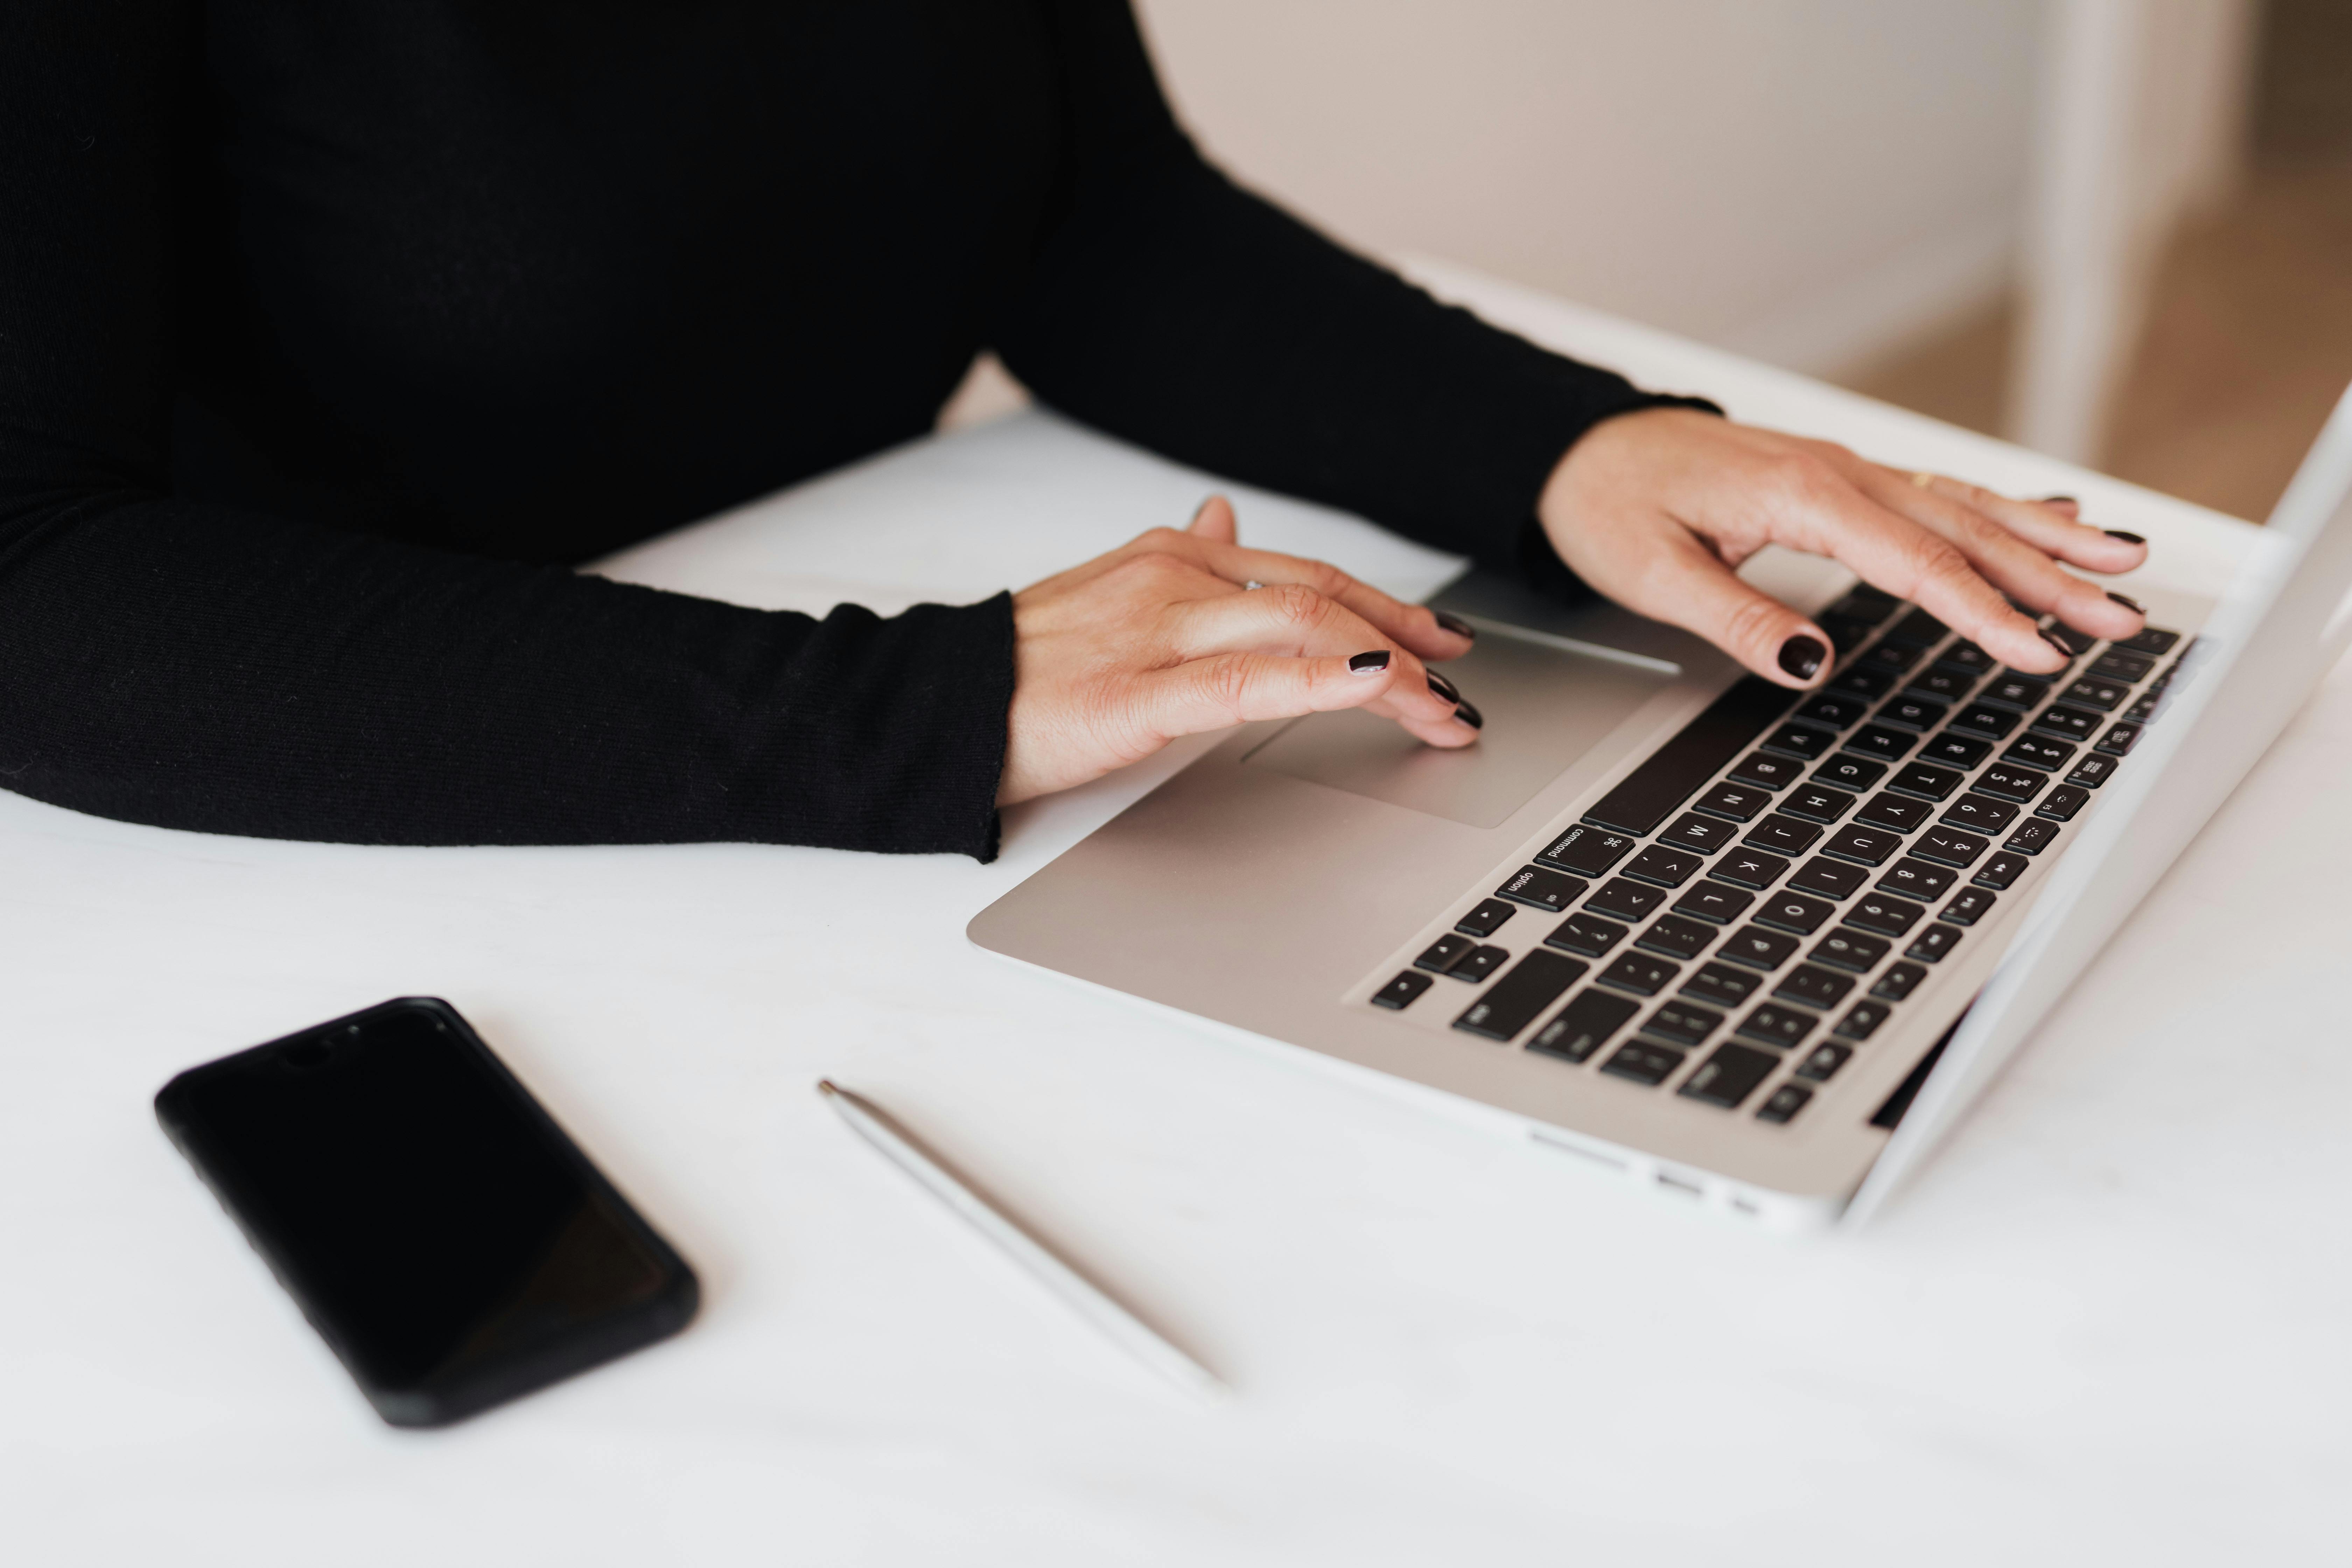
(1676, 769)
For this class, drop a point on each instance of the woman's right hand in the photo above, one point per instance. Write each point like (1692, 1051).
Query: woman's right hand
(1161, 637)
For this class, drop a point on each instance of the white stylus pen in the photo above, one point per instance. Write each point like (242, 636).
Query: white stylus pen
(1082, 1295)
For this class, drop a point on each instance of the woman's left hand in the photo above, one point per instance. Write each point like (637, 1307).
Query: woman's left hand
(1656, 509)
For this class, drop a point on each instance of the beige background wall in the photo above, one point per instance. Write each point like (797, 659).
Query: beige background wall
(1814, 182)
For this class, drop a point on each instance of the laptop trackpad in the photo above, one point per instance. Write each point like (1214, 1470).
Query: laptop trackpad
(1544, 709)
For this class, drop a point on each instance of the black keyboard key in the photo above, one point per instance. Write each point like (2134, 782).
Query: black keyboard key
(1485, 919)
(2151, 640)
(2011, 784)
(1779, 835)
(1912, 711)
(2092, 772)
(1815, 804)
(1892, 657)
(2015, 690)
(1968, 906)
(1950, 846)
(1643, 1063)
(1850, 774)
(1758, 948)
(1884, 914)
(1775, 1025)
(1860, 681)
(1532, 986)
(1920, 627)
(1584, 1026)
(2032, 837)
(1675, 937)
(1586, 934)
(1699, 834)
(1682, 1023)
(1674, 773)
(1477, 964)
(1899, 980)
(1934, 940)
(2118, 663)
(1750, 868)
(1796, 912)
(1833, 708)
(1729, 1076)
(1941, 683)
(1871, 845)
(1865, 603)
(1916, 879)
(1862, 1020)
(2038, 752)
(1541, 890)
(1830, 879)
(1625, 900)
(1980, 813)
(2141, 711)
(1983, 722)
(1854, 950)
(1737, 802)
(2119, 739)
(1715, 902)
(1966, 655)
(2066, 637)
(1443, 953)
(2000, 870)
(1810, 987)
(1896, 812)
(1845, 632)
(2066, 723)
(1766, 771)
(1959, 751)
(1640, 973)
(1821, 1062)
(2063, 802)
(2093, 691)
(1721, 984)
(1927, 782)
(1587, 851)
(1401, 993)
(1879, 742)
(1801, 742)
(1783, 1104)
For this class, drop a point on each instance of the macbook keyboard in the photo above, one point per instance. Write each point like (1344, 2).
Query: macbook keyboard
(1741, 913)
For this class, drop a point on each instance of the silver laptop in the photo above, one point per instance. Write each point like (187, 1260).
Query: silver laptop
(1757, 948)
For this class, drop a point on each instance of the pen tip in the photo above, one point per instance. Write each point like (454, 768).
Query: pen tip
(824, 1087)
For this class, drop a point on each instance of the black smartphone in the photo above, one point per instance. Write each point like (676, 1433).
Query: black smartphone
(451, 1244)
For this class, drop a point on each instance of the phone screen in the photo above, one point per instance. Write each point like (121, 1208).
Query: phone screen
(453, 1246)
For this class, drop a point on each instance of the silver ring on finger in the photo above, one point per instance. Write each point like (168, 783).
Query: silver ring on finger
(1252, 586)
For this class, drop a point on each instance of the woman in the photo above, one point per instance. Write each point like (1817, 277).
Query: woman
(330, 335)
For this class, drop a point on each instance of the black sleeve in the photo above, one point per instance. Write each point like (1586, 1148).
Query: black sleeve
(203, 668)
(1174, 309)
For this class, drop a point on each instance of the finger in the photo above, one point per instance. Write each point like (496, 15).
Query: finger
(1214, 521)
(2048, 526)
(1225, 689)
(2011, 564)
(1294, 620)
(1692, 588)
(1428, 633)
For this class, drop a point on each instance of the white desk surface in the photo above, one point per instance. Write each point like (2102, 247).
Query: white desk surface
(2108, 1326)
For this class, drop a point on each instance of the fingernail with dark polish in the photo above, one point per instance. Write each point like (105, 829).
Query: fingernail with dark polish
(1456, 625)
(1801, 656)
(2126, 538)
(2133, 606)
(2054, 640)
(1371, 663)
(2060, 500)
(1470, 716)
(1444, 686)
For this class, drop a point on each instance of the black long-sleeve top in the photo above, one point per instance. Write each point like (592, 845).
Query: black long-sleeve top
(330, 335)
